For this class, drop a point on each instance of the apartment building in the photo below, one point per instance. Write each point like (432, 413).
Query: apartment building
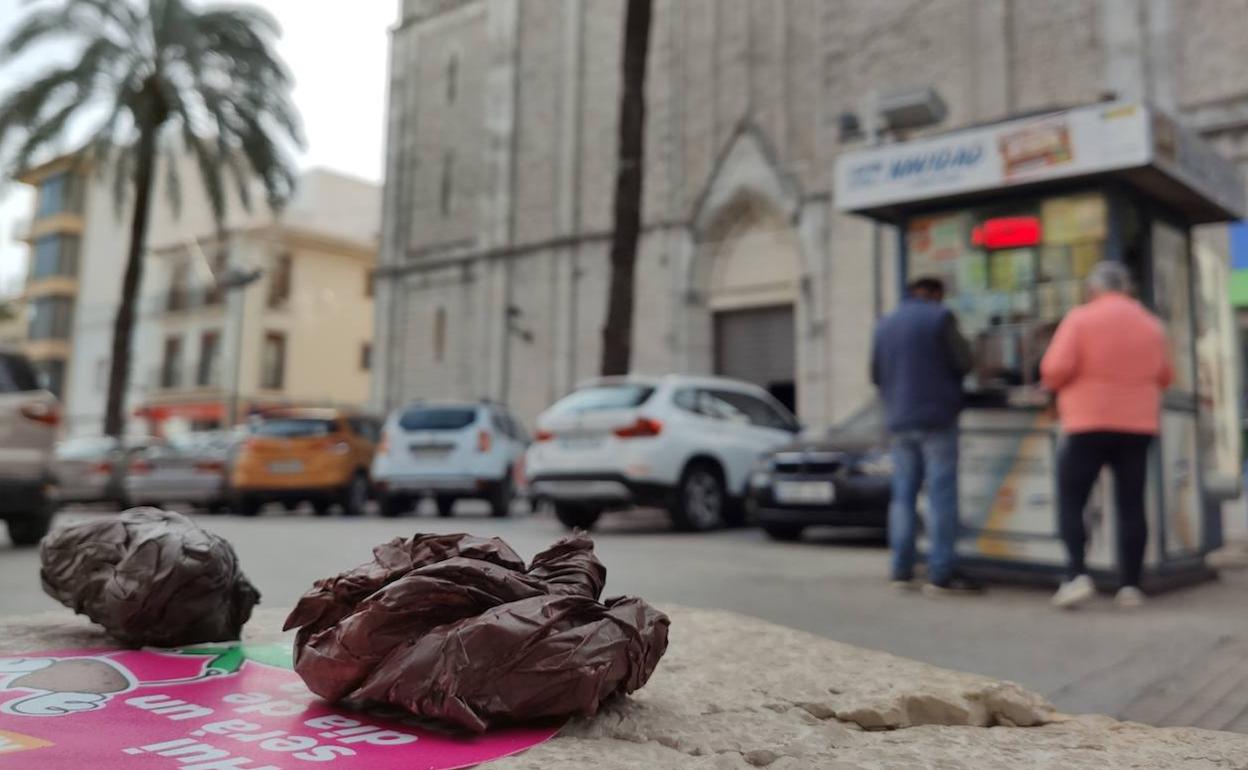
(299, 332)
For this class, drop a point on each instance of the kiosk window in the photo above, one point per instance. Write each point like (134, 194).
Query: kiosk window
(1011, 272)
(1172, 299)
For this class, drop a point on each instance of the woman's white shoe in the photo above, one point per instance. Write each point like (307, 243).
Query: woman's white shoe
(1129, 597)
(1073, 592)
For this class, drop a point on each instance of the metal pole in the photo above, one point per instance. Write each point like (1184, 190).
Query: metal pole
(874, 137)
(239, 298)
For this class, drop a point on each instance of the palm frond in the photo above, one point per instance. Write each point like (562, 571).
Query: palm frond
(173, 181)
(76, 19)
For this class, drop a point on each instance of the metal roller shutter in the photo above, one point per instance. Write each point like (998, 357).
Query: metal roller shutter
(756, 345)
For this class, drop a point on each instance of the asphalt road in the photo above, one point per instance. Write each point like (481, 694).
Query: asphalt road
(1096, 660)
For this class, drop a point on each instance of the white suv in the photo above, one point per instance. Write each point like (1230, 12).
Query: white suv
(448, 452)
(29, 416)
(686, 444)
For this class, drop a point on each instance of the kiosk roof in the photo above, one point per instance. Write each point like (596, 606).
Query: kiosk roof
(1132, 143)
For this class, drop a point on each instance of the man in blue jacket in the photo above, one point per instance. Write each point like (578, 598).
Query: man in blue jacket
(918, 361)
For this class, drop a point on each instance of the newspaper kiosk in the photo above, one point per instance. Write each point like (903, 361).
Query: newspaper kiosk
(1013, 216)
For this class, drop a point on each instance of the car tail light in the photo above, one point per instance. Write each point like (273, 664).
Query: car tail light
(484, 441)
(102, 469)
(40, 412)
(543, 435)
(210, 466)
(140, 467)
(643, 427)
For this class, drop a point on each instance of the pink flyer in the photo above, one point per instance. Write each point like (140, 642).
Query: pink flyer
(209, 708)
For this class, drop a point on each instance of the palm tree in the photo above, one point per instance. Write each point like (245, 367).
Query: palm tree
(617, 332)
(148, 81)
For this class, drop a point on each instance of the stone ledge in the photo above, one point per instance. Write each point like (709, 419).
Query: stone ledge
(736, 692)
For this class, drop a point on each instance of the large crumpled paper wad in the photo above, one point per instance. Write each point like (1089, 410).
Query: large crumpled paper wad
(456, 628)
(150, 577)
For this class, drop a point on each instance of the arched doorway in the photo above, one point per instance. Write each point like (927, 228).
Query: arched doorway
(747, 274)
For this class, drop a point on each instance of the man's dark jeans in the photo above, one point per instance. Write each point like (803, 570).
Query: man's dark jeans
(919, 456)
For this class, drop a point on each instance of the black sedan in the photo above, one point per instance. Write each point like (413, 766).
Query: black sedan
(842, 479)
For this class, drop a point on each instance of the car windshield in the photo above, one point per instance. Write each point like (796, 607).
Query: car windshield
(438, 418)
(295, 428)
(85, 448)
(600, 398)
(867, 424)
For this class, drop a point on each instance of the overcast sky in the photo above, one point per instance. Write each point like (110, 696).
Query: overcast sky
(338, 54)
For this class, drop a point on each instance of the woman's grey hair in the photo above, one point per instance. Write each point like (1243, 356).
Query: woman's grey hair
(1109, 276)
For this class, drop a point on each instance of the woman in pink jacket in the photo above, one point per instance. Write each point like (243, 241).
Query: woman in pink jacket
(1108, 365)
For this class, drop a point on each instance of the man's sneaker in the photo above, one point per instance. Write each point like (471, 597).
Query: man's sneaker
(1072, 593)
(1129, 597)
(954, 586)
(901, 585)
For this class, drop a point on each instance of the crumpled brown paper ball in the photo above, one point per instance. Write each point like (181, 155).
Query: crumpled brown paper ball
(457, 628)
(150, 577)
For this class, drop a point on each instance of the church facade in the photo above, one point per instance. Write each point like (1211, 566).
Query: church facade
(502, 147)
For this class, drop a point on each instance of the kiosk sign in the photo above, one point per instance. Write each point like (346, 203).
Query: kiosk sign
(1066, 144)
(210, 708)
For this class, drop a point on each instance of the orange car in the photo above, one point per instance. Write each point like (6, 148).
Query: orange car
(321, 456)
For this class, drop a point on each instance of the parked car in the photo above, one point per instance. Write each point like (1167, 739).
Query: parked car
(449, 452)
(29, 415)
(686, 444)
(92, 469)
(191, 469)
(841, 479)
(321, 456)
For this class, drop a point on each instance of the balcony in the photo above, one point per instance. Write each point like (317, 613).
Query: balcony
(188, 300)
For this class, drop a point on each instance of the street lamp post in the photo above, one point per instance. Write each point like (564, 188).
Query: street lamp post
(234, 282)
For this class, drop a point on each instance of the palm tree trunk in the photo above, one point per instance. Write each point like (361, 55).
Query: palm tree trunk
(617, 333)
(123, 326)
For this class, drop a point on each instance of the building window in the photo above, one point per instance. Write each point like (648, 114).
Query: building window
(452, 78)
(58, 195)
(279, 281)
(439, 334)
(366, 356)
(448, 170)
(55, 255)
(171, 364)
(51, 318)
(179, 297)
(273, 362)
(52, 375)
(209, 371)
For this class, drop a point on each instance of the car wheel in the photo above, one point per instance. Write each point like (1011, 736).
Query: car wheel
(786, 533)
(446, 506)
(29, 530)
(290, 505)
(321, 507)
(393, 506)
(355, 496)
(700, 499)
(576, 517)
(249, 506)
(500, 501)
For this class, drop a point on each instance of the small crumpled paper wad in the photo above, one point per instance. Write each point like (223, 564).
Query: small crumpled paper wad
(150, 578)
(456, 628)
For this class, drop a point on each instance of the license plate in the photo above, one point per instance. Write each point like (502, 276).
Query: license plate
(286, 466)
(805, 492)
(580, 442)
(429, 452)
